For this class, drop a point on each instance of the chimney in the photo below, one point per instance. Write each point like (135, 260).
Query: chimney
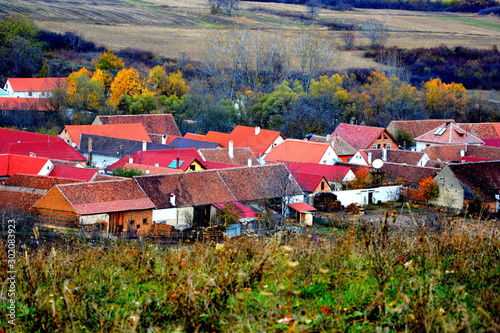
(164, 139)
(231, 149)
(369, 158)
(157, 164)
(328, 137)
(257, 130)
(144, 146)
(384, 154)
(130, 160)
(177, 163)
(89, 148)
(462, 153)
(249, 162)
(172, 199)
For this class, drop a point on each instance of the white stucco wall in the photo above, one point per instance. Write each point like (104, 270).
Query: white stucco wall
(93, 219)
(382, 194)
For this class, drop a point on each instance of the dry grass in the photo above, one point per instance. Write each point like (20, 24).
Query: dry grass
(176, 28)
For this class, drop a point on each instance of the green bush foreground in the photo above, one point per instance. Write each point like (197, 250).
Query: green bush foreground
(364, 278)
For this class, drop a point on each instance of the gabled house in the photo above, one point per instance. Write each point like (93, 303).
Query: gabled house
(414, 128)
(158, 126)
(304, 213)
(33, 87)
(10, 164)
(173, 159)
(260, 141)
(72, 133)
(365, 137)
(187, 199)
(343, 150)
(367, 156)
(102, 151)
(336, 175)
(300, 151)
(311, 185)
(463, 183)
(446, 134)
(236, 156)
(35, 144)
(116, 207)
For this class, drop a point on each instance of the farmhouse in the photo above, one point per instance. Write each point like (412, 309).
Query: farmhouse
(33, 87)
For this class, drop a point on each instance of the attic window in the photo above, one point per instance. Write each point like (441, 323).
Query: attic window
(440, 131)
(173, 164)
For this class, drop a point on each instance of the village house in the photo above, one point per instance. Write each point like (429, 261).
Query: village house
(446, 134)
(187, 199)
(367, 156)
(179, 159)
(343, 150)
(114, 207)
(72, 133)
(365, 137)
(231, 155)
(33, 87)
(301, 151)
(335, 175)
(10, 164)
(158, 126)
(413, 128)
(462, 184)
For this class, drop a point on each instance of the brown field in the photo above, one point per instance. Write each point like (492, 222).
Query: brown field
(178, 28)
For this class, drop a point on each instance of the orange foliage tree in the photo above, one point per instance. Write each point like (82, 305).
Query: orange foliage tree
(108, 61)
(444, 100)
(428, 189)
(85, 93)
(127, 82)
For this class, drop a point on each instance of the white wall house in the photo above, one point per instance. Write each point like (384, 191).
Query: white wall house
(369, 195)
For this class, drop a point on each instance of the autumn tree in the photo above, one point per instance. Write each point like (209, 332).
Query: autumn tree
(84, 93)
(444, 100)
(127, 82)
(144, 103)
(217, 6)
(103, 76)
(108, 61)
(376, 32)
(428, 189)
(168, 85)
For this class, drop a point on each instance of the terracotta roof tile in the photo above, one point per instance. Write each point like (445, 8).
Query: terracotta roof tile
(410, 173)
(483, 178)
(482, 130)
(359, 137)
(257, 139)
(308, 182)
(302, 207)
(17, 200)
(240, 156)
(121, 131)
(332, 173)
(448, 134)
(151, 169)
(300, 151)
(106, 196)
(24, 104)
(492, 153)
(37, 182)
(42, 145)
(155, 124)
(416, 127)
(217, 165)
(396, 155)
(444, 153)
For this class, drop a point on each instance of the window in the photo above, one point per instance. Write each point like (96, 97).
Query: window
(388, 146)
(322, 185)
(131, 222)
(374, 146)
(192, 167)
(145, 221)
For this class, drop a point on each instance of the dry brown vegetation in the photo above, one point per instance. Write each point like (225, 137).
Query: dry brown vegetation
(183, 28)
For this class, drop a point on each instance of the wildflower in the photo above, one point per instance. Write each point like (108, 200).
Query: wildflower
(219, 247)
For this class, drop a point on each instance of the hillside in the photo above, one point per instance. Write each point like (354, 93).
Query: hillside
(183, 28)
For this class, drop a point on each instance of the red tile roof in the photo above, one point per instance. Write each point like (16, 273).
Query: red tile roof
(120, 131)
(35, 181)
(222, 138)
(240, 156)
(217, 165)
(17, 200)
(415, 127)
(482, 130)
(245, 212)
(11, 164)
(42, 145)
(257, 139)
(24, 104)
(492, 142)
(74, 173)
(156, 125)
(308, 182)
(302, 207)
(105, 197)
(444, 153)
(395, 155)
(482, 178)
(332, 173)
(150, 169)
(300, 151)
(156, 158)
(448, 134)
(359, 137)
(36, 84)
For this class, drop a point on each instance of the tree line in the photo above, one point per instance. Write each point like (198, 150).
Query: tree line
(248, 78)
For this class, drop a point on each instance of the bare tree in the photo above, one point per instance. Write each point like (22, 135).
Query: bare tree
(348, 38)
(313, 8)
(216, 6)
(376, 32)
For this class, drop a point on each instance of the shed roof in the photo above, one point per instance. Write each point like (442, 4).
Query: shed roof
(302, 207)
(74, 173)
(158, 124)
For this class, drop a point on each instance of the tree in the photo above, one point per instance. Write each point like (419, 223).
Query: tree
(216, 6)
(444, 100)
(227, 216)
(126, 172)
(428, 189)
(108, 61)
(144, 103)
(376, 32)
(84, 93)
(348, 38)
(127, 82)
(313, 8)
(16, 26)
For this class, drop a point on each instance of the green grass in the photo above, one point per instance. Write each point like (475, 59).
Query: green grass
(474, 22)
(363, 280)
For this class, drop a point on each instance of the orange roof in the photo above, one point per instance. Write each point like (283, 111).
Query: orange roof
(24, 104)
(120, 131)
(299, 151)
(257, 139)
(36, 84)
(222, 138)
(194, 136)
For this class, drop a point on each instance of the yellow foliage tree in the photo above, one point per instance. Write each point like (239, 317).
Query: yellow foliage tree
(83, 92)
(444, 100)
(104, 77)
(127, 82)
(108, 61)
(176, 85)
(327, 85)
